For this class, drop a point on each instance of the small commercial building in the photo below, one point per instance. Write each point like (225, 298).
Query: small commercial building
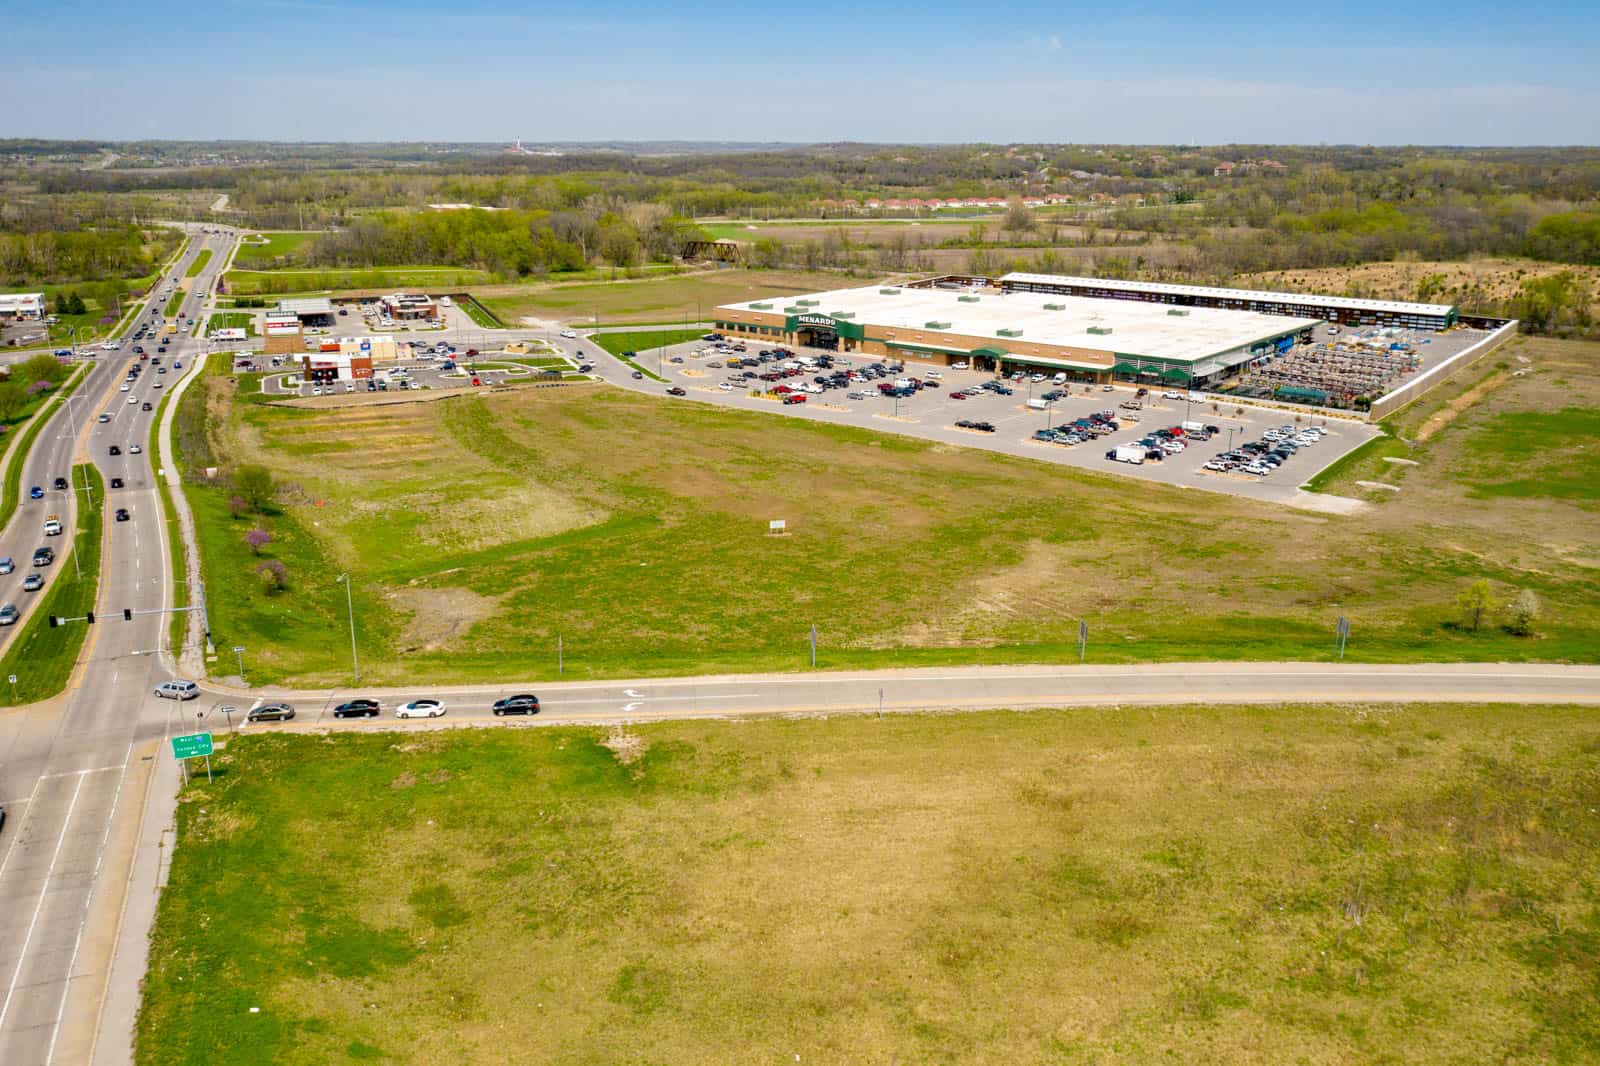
(323, 367)
(1085, 338)
(309, 311)
(1345, 310)
(409, 307)
(22, 306)
(281, 337)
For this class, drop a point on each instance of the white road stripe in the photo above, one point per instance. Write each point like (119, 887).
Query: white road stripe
(22, 955)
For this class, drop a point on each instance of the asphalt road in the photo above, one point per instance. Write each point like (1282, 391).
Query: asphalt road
(65, 764)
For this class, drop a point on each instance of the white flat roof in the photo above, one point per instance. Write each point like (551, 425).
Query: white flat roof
(1349, 303)
(310, 305)
(1136, 328)
(22, 299)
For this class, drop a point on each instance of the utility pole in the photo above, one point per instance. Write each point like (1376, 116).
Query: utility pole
(813, 645)
(349, 603)
(561, 665)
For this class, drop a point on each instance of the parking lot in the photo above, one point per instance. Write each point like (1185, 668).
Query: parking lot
(1025, 417)
(422, 369)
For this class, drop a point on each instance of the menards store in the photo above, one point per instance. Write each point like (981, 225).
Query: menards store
(1087, 338)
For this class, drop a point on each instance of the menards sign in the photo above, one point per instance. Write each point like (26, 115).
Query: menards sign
(839, 326)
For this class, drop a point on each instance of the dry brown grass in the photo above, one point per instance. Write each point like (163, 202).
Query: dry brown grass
(1494, 279)
(1240, 885)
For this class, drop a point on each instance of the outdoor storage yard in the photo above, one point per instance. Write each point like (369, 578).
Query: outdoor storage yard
(632, 528)
(1200, 885)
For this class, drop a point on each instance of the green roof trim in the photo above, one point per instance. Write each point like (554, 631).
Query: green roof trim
(1125, 368)
(1172, 373)
(992, 353)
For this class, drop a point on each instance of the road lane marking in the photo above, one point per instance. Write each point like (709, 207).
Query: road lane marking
(22, 953)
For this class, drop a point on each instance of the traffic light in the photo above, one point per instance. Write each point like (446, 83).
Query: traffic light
(127, 614)
(89, 617)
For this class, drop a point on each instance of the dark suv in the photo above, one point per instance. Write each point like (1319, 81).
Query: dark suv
(44, 557)
(519, 704)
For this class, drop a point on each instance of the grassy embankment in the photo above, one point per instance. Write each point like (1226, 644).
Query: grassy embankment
(634, 529)
(275, 250)
(232, 320)
(200, 260)
(42, 657)
(287, 282)
(1234, 884)
(29, 418)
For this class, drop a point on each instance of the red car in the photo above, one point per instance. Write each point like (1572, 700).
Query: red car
(795, 397)
(784, 389)
(958, 396)
(475, 381)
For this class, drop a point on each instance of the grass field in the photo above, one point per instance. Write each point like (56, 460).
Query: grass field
(42, 657)
(200, 260)
(665, 299)
(276, 282)
(175, 302)
(32, 425)
(1197, 885)
(278, 250)
(634, 529)
(232, 320)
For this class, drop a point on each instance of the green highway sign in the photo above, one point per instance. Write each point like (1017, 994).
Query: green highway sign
(191, 746)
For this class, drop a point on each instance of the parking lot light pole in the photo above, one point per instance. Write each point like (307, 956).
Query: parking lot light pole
(349, 604)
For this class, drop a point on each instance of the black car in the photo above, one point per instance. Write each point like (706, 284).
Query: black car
(60, 484)
(44, 556)
(523, 703)
(122, 514)
(270, 712)
(146, 406)
(116, 482)
(358, 708)
(116, 450)
(675, 391)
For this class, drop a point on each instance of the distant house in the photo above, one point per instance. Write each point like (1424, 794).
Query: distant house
(1223, 169)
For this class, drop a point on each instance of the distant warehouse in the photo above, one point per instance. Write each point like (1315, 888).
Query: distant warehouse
(22, 305)
(1345, 310)
(1083, 337)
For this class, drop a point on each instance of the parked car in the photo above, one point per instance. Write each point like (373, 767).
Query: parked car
(270, 712)
(177, 689)
(524, 703)
(424, 708)
(361, 707)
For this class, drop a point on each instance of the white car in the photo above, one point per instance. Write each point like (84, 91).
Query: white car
(569, 334)
(133, 399)
(420, 709)
(125, 387)
(726, 386)
(1170, 395)
(963, 365)
(134, 449)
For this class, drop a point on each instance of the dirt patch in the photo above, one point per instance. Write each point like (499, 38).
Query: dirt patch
(439, 777)
(405, 780)
(628, 748)
(1454, 408)
(440, 616)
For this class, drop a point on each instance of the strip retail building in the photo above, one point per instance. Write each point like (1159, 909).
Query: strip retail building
(1087, 338)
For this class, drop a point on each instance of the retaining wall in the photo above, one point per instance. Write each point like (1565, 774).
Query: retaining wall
(1389, 403)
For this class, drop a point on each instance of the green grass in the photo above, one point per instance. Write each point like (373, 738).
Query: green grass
(633, 528)
(11, 484)
(479, 314)
(199, 263)
(642, 343)
(1133, 885)
(232, 320)
(175, 302)
(275, 282)
(176, 627)
(278, 249)
(42, 657)
(1535, 454)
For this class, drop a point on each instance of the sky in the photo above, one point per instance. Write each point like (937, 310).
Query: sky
(1212, 72)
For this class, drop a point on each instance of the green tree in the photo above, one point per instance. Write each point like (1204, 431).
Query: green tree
(75, 305)
(254, 483)
(61, 304)
(12, 400)
(1472, 601)
(1018, 218)
(1523, 613)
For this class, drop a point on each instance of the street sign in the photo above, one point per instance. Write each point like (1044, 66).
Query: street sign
(777, 525)
(12, 679)
(238, 649)
(191, 746)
